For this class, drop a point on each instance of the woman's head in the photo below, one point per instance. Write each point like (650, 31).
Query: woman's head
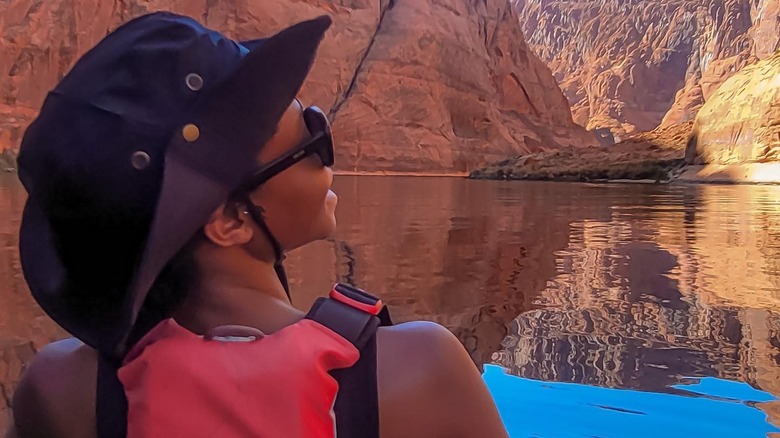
(292, 206)
(295, 202)
(298, 203)
(157, 124)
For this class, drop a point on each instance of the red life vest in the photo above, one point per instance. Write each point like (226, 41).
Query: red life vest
(178, 383)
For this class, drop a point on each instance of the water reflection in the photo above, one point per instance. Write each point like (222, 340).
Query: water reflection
(647, 284)
(462, 253)
(679, 283)
(637, 287)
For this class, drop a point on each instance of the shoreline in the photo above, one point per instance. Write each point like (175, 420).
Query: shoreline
(397, 173)
(647, 172)
(656, 157)
(597, 166)
(590, 166)
(7, 161)
(743, 174)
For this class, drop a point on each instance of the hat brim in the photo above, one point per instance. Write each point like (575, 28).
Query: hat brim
(50, 286)
(186, 201)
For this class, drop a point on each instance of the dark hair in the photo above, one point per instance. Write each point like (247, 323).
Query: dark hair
(168, 292)
(176, 280)
(178, 277)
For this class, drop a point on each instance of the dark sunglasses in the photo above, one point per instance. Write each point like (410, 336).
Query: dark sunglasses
(320, 143)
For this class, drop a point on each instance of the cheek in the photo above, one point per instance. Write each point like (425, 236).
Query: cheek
(297, 207)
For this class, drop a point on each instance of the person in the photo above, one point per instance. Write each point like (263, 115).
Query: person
(168, 173)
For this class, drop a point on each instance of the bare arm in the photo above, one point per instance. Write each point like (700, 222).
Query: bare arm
(55, 397)
(30, 417)
(464, 405)
(431, 388)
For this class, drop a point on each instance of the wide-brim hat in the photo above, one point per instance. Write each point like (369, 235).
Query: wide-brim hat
(141, 141)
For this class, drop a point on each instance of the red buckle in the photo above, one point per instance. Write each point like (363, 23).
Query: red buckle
(372, 309)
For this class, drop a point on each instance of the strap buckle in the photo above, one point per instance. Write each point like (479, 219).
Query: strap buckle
(356, 298)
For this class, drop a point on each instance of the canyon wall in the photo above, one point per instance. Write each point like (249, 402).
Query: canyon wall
(736, 134)
(419, 86)
(632, 65)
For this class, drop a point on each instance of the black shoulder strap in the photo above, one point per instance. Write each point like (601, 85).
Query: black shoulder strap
(110, 402)
(357, 402)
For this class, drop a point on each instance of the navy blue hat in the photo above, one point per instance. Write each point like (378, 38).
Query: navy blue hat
(132, 151)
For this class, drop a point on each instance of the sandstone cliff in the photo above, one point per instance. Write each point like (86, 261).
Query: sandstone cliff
(412, 85)
(630, 65)
(737, 132)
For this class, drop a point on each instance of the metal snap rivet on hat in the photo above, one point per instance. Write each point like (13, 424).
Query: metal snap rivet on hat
(190, 132)
(194, 81)
(140, 160)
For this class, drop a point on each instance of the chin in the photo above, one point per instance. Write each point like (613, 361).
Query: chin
(323, 230)
(331, 229)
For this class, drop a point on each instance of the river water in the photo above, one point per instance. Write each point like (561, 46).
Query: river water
(593, 310)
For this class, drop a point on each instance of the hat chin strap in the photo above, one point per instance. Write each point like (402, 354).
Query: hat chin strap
(252, 209)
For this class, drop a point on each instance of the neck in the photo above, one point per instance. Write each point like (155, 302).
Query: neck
(238, 294)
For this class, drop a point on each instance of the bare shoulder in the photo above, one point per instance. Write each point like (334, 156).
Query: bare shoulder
(417, 333)
(426, 344)
(429, 386)
(56, 396)
(414, 351)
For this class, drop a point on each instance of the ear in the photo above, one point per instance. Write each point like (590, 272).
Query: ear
(229, 225)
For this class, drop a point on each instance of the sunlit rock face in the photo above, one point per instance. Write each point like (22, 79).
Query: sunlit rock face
(737, 132)
(630, 65)
(434, 86)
